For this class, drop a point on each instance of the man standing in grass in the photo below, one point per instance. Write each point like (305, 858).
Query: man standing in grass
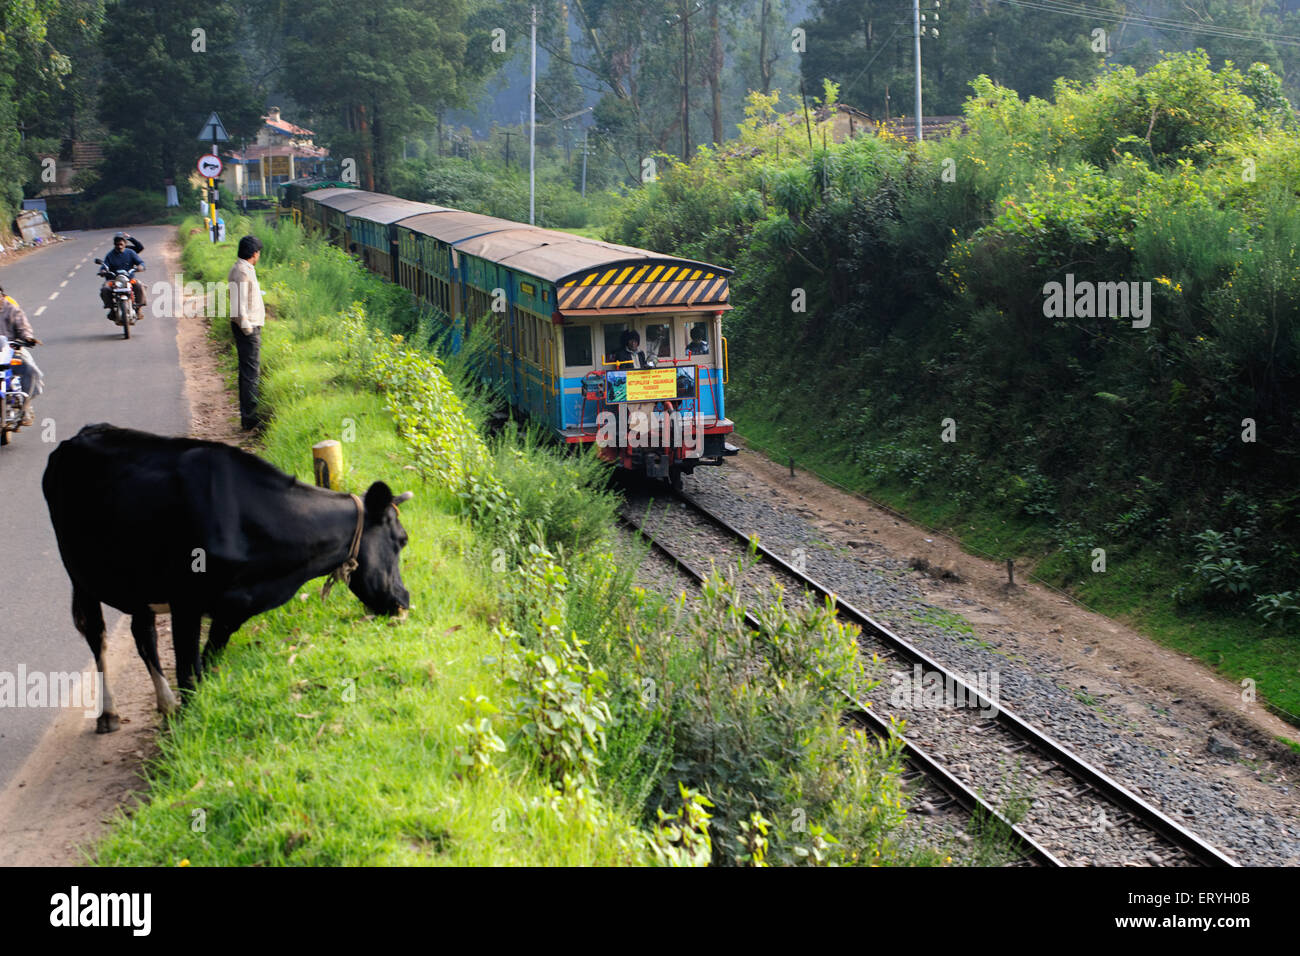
(247, 316)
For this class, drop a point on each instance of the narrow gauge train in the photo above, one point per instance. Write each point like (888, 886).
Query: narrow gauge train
(557, 307)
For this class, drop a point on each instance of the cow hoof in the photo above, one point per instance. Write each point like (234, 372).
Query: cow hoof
(107, 723)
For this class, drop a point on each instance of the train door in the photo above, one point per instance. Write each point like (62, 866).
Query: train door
(699, 340)
(575, 360)
(550, 374)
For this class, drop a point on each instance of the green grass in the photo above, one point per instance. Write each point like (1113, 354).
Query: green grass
(943, 619)
(1134, 589)
(327, 737)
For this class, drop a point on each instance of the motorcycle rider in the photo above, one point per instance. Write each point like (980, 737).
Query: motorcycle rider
(15, 326)
(123, 258)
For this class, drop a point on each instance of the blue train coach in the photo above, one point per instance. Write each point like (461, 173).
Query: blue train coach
(555, 307)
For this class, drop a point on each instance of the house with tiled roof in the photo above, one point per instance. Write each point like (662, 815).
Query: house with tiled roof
(281, 152)
(850, 122)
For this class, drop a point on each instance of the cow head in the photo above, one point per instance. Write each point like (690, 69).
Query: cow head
(377, 580)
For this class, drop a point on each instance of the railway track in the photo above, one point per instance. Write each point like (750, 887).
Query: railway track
(1074, 813)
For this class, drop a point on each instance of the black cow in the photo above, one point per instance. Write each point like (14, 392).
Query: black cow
(147, 523)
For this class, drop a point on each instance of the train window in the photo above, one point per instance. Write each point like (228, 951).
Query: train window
(697, 339)
(613, 338)
(658, 343)
(577, 345)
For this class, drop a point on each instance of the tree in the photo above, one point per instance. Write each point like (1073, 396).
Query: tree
(373, 71)
(167, 64)
(23, 44)
(866, 46)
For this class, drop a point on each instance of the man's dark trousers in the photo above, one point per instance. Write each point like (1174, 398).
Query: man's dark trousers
(249, 348)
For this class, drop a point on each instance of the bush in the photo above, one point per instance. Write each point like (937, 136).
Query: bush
(127, 207)
(1219, 569)
(752, 721)
(1280, 608)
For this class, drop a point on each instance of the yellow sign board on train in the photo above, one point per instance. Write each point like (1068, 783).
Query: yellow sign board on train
(651, 384)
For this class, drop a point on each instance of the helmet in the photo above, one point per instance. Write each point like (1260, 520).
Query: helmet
(119, 235)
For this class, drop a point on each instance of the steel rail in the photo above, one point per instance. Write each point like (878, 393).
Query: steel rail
(913, 754)
(1047, 746)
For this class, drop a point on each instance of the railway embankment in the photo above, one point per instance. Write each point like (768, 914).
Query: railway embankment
(535, 707)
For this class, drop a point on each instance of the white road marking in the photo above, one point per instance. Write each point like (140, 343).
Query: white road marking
(40, 310)
(53, 296)
(73, 272)
(63, 283)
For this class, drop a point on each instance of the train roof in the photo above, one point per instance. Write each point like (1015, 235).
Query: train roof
(452, 225)
(391, 210)
(345, 200)
(556, 256)
(317, 195)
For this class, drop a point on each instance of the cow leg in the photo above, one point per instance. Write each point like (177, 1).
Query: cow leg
(146, 642)
(88, 617)
(219, 633)
(186, 626)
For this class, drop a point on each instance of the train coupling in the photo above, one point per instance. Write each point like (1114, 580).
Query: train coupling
(656, 466)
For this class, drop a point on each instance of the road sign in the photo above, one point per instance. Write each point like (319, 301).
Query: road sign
(209, 166)
(213, 131)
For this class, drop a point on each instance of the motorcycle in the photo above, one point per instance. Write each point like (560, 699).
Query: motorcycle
(13, 400)
(124, 312)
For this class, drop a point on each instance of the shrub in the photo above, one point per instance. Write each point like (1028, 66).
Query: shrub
(1280, 608)
(1218, 568)
(126, 207)
(753, 722)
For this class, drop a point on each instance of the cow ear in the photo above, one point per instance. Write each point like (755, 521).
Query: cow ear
(378, 498)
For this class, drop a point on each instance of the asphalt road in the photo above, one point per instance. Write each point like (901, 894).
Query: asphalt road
(92, 374)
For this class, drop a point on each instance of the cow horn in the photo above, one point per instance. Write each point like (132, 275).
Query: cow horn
(404, 496)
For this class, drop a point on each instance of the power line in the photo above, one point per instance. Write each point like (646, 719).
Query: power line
(1063, 8)
(883, 46)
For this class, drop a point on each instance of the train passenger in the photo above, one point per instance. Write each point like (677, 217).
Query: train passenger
(630, 350)
(698, 345)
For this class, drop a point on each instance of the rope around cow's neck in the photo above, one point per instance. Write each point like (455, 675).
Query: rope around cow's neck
(344, 571)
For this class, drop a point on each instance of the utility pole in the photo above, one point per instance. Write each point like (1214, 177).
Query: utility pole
(916, 25)
(686, 86)
(684, 17)
(917, 19)
(532, 129)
